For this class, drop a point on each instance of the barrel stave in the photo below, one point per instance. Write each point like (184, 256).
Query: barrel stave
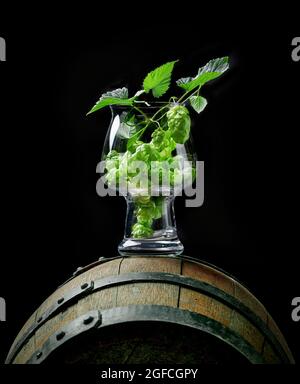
(227, 303)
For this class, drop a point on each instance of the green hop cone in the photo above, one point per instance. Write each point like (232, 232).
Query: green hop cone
(143, 201)
(158, 138)
(179, 123)
(163, 143)
(144, 216)
(145, 152)
(135, 145)
(147, 210)
(112, 160)
(140, 231)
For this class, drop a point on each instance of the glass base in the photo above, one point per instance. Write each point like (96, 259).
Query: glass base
(150, 227)
(157, 246)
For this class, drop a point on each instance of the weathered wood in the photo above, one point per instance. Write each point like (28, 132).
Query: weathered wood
(149, 293)
(247, 330)
(130, 346)
(269, 355)
(276, 331)
(246, 297)
(209, 275)
(29, 322)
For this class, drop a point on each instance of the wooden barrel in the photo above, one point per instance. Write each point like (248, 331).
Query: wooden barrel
(150, 310)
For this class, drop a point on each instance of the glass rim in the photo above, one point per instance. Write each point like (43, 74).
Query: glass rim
(143, 106)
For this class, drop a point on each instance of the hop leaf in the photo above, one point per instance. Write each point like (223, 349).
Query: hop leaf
(118, 96)
(198, 103)
(159, 79)
(213, 69)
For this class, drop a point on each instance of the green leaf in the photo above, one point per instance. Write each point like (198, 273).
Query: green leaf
(159, 79)
(198, 103)
(213, 69)
(134, 138)
(117, 97)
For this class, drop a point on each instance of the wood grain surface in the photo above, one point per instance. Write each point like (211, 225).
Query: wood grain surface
(158, 293)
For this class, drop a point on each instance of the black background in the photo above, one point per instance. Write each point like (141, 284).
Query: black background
(52, 219)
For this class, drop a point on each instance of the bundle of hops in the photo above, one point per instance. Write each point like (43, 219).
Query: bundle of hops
(147, 209)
